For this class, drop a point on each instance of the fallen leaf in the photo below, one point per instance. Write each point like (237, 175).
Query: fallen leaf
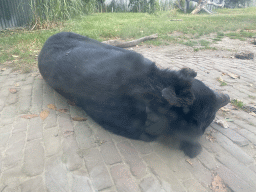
(44, 114)
(253, 114)
(51, 106)
(189, 161)
(210, 137)
(12, 90)
(223, 123)
(79, 119)
(68, 133)
(223, 73)
(218, 184)
(29, 116)
(234, 76)
(17, 85)
(220, 79)
(62, 110)
(224, 109)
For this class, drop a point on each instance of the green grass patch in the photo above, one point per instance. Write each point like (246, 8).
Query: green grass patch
(237, 103)
(127, 26)
(252, 97)
(222, 83)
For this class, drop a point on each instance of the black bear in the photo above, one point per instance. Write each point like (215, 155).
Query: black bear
(126, 93)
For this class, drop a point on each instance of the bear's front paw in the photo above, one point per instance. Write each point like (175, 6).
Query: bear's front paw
(191, 149)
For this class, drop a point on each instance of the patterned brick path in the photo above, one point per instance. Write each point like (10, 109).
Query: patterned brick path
(59, 154)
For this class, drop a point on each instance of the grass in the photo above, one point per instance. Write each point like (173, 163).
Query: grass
(252, 97)
(222, 83)
(20, 48)
(237, 103)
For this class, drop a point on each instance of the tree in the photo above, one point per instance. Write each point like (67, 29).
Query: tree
(201, 4)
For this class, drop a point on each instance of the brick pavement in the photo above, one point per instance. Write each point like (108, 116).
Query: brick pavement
(59, 154)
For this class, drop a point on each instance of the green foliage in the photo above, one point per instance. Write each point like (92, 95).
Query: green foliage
(26, 44)
(59, 10)
(145, 6)
(237, 103)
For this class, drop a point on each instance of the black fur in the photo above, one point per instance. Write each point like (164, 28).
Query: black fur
(122, 90)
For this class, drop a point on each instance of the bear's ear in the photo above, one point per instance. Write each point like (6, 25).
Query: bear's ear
(184, 99)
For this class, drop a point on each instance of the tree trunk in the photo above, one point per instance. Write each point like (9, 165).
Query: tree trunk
(186, 6)
(130, 43)
(198, 8)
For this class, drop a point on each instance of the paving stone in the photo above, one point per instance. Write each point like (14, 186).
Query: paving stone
(123, 180)
(159, 168)
(33, 158)
(150, 184)
(65, 124)
(11, 179)
(117, 138)
(2, 78)
(35, 129)
(4, 137)
(245, 125)
(61, 102)
(142, 147)
(11, 99)
(207, 159)
(35, 185)
(14, 155)
(97, 169)
(233, 149)
(6, 121)
(52, 141)
(171, 156)
(101, 135)
(130, 154)
(81, 183)
(84, 135)
(247, 117)
(17, 137)
(238, 168)
(4, 92)
(109, 153)
(9, 82)
(0, 165)
(37, 97)
(249, 135)
(25, 91)
(203, 175)
(193, 185)
(70, 157)
(22, 77)
(48, 96)
(51, 120)
(9, 112)
(253, 168)
(29, 80)
(24, 104)
(76, 111)
(14, 151)
(20, 124)
(232, 135)
(56, 175)
(233, 181)
(7, 71)
(2, 103)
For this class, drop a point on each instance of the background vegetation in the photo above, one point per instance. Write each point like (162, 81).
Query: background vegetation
(19, 48)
